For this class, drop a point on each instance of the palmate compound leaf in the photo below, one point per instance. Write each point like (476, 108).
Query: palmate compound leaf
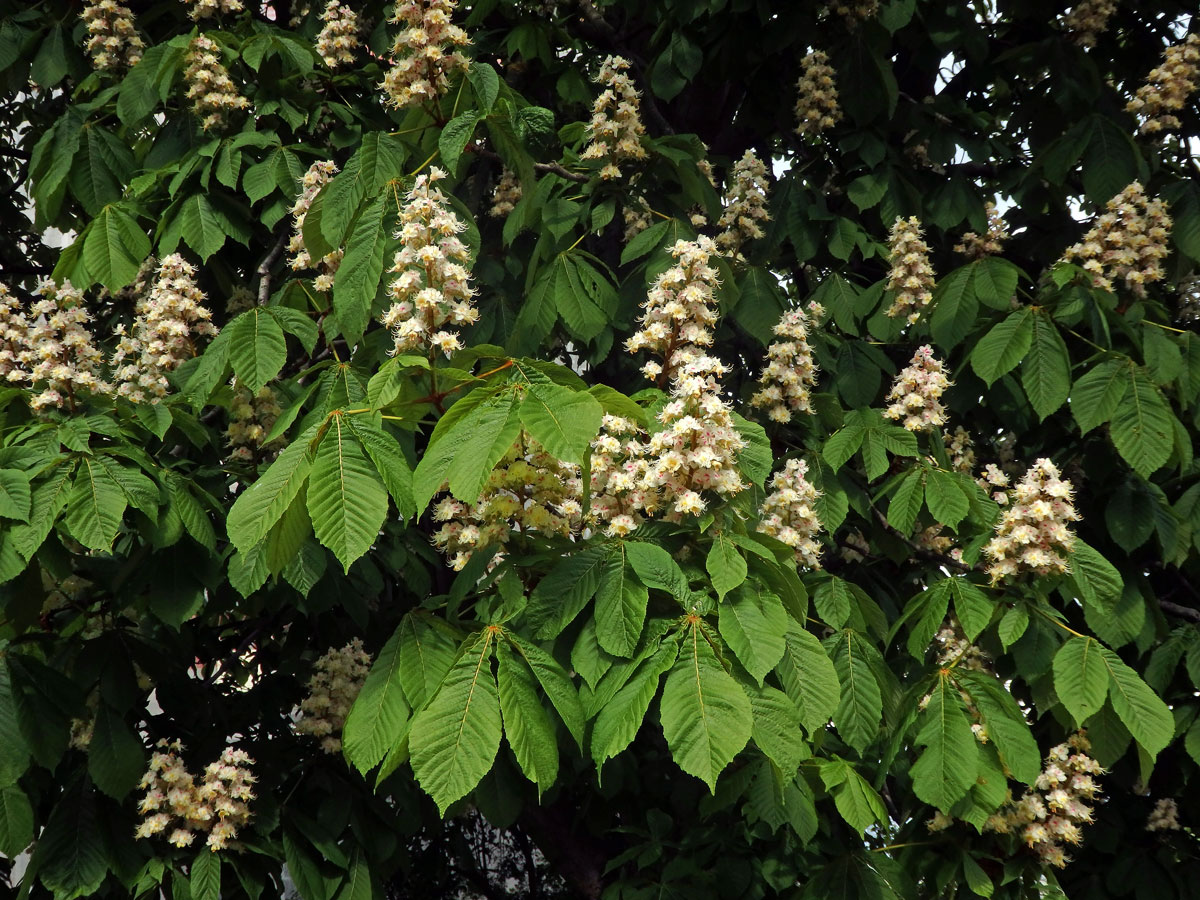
(454, 740)
(262, 504)
(706, 716)
(947, 767)
(1080, 677)
(346, 497)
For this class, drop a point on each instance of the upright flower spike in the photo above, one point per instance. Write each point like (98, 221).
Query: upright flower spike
(680, 309)
(790, 373)
(745, 209)
(961, 449)
(1088, 20)
(318, 175)
(817, 106)
(788, 514)
(14, 336)
(204, 9)
(337, 678)
(615, 130)
(916, 394)
(1168, 87)
(621, 500)
(113, 41)
(433, 289)
(507, 194)
(169, 317)
(251, 417)
(212, 92)
(1164, 816)
(1033, 535)
(854, 11)
(1127, 244)
(339, 34)
(911, 275)
(991, 242)
(425, 53)
(60, 360)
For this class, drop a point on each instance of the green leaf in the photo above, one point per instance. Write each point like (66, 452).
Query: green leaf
(955, 307)
(619, 719)
(389, 461)
(562, 420)
(70, 857)
(455, 136)
(426, 655)
(14, 750)
(555, 682)
(1004, 346)
(263, 504)
(565, 591)
(809, 677)
(1097, 581)
(1005, 723)
(842, 445)
(526, 725)
(486, 84)
(486, 435)
(15, 496)
(860, 709)
(1110, 160)
(620, 606)
(202, 226)
(761, 304)
(644, 241)
(95, 506)
(380, 713)
(1098, 394)
(971, 606)
(115, 758)
(995, 282)
(1140, 710)
(16, 821)
(777, 727)
(753, 623)
(1080, 677)
(257, 348)
(114, 248)
(346, 497)
(706, 716)
(361, 269)
(855, 799)
(205, 876)
(1141, 427)
(833, 602)
(946, 498)
(359, 884)
(1046, 370)
(906, 502)
(655, 567)
(454, 740)
(725, 565)
(945, 770)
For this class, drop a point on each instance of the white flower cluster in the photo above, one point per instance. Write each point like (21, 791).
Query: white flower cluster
(506, 195)
(615, 130)
(1167, 87)
(203, 9)
(790, 373)
(337, 678)
(14, 330)
(212, 92)
(1050, 815)
(339, 34)
(745, 207)
(817, 106)
(113, 40)
(911, 275)
(241, 298)
(251, 417)
(1033, 534)
(434, 287)
(1164, 816)
(1088, 20)
(953, 648)
(216, 807)
(621, 499)
(423, 52)
(961, 449)
(991, 242)
(637, 216)
(58, 359)
(995, 481)
(679, 308)
(916, 394)
(318, 175)
(529, 490)
(788, 514)
(168, 319)
(854, 12)
(1128, 243)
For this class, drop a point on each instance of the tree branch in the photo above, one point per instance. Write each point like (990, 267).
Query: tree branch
(1178, 609)
(264, 267)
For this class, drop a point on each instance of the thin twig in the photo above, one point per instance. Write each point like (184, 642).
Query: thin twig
(264, 267)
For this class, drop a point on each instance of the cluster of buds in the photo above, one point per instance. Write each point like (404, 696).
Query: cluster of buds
(1167, 87)
(995, 481)
(680, 309)
(745, 207)
(911, 275)
(991, 242)
(318, 175)
(203, 9)
(339, 34)
(507, 194)
(212, 92)
(1088, 20)
(790, 373)
(337, 678)
(961, 449)
(251, 417)
(615, 130)
(168, 319)
(1127, 244)
(58, 358)
(1033, 534)
(1164, 816)
(113, 40)
(216, 807)
(788, 514)
(933, 539)
(241, 298)
(434, 284)
(620, 498)
(953, 649)
(637, 216)
(1050, 815)
(529, 490)
(817, 106)
(854, 12)
(916, 394)
(425, 52)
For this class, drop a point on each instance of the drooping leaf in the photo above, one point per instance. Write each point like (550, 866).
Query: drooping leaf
(380, 712)
(1080, 677)
(620, 606)
(753, 623)
(262, 505)
(527, 728)
(946, 768)
(346, 497)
